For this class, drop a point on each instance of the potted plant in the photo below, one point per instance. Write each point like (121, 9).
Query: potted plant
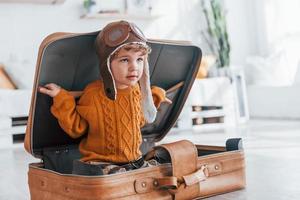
(216, 36)
(88, 6)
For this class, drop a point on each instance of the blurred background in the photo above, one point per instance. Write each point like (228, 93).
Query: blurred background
(250, 51)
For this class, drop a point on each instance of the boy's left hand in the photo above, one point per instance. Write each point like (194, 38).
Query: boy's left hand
(50, 89)
(167, 100)
(159, 96)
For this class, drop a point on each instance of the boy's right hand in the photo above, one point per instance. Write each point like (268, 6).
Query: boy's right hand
(50, 89)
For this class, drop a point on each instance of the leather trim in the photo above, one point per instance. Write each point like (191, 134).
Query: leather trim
(222, 163)
(167, 182)
(145, 185)
(181, 152)
(184, 156)
(212, 148)
(200, 175)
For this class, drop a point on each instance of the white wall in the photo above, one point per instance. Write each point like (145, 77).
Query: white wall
(23, 26)
(243, 33)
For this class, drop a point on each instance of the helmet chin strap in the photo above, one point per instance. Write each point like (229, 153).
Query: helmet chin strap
(114, 97)
(148, 106)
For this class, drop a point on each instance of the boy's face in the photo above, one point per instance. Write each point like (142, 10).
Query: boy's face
(127, 68)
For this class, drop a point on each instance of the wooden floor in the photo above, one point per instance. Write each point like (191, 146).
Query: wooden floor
(272, 157)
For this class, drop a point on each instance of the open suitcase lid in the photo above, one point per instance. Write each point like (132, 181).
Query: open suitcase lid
(70, 61)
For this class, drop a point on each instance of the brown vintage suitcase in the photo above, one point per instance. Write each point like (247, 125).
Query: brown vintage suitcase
(189, 171)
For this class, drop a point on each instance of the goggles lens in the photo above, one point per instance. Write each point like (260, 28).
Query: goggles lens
(114, 35)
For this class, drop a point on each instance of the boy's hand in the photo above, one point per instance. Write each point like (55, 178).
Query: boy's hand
(167, 100)
(50, 89)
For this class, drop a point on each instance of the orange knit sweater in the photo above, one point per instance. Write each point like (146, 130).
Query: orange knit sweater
(113, 127)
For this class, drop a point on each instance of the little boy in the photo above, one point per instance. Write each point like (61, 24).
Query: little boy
(112, 110)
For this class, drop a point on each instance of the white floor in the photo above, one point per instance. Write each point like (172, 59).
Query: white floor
(272, 150)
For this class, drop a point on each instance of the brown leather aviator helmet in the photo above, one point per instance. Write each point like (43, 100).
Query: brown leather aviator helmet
(114, 36)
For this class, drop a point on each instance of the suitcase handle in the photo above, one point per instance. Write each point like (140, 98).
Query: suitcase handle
(185, 175)
(172, 183)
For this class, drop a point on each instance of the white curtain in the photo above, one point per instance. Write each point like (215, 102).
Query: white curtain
(281, 19)
(278, 34)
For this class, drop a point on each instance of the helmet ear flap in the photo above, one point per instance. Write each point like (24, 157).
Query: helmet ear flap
(148, 106)
(108, 81)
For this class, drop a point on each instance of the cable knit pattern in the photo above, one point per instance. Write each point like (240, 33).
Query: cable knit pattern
(139, 117)
(113, 126)
(125, 143)
(108, 126)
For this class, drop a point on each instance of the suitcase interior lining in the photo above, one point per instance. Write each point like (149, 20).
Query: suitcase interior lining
(205, 152)
(60, 159)
(163, 113)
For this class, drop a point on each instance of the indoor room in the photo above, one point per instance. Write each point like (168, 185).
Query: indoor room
(228, 72)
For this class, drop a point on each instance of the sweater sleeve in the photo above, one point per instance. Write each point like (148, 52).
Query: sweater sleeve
(64, 108)
(158, 95)
(143, 120)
